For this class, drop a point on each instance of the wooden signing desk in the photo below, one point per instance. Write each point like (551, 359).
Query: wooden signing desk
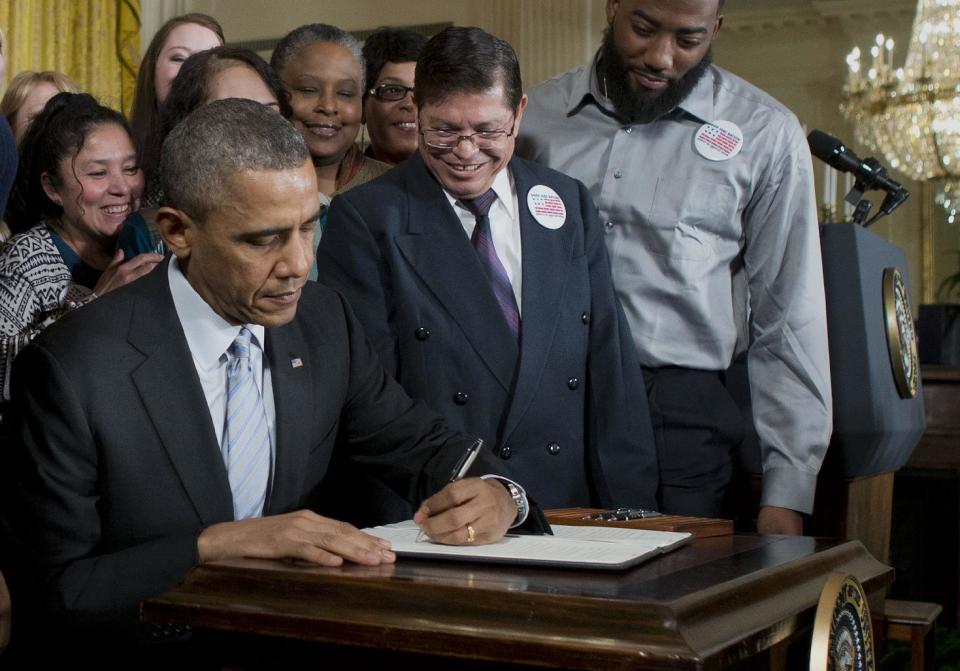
(715, 603)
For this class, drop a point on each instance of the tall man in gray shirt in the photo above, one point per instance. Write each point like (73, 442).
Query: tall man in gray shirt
(705, 187)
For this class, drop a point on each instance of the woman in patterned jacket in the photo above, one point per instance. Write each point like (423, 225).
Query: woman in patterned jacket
(77, 181)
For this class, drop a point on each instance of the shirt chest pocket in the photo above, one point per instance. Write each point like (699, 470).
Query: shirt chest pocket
(691, 221)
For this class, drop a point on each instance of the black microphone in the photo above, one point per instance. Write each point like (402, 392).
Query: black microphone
(834, 153)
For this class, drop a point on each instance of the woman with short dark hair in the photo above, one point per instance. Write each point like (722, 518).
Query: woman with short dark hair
(321, 67)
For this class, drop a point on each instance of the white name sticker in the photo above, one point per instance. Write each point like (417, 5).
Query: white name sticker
(546, 207)
(719, 141)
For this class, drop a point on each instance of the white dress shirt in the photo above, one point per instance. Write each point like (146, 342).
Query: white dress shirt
(504, 227)
(209, 336)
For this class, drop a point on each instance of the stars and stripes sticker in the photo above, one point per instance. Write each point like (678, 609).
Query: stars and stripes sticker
(719, 141)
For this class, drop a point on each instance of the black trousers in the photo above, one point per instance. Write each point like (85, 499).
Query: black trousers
(697, 426)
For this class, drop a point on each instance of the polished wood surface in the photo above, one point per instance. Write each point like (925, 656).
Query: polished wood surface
(858, 508)
(702, 527)
(710, 604)
(912, 622)
(939, 448)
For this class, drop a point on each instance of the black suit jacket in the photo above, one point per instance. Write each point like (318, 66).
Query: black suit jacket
(112, 468)
(565, 407)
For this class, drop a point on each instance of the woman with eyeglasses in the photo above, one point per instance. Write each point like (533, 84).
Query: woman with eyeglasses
(389, 112)
(321, 67)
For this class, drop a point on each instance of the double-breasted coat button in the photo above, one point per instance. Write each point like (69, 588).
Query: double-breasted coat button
(461, 398)
(585, 318)
(573, 383)
(553, 448)
(421, 333)
(505, 452)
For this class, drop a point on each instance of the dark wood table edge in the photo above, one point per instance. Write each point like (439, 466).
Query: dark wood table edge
(520, 626)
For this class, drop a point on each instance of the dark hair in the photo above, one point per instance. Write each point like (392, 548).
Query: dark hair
(191, 89)
(390, 45)
(144, 114)
(60, 130)
(312, 33)
(467, 60)
(203, 153)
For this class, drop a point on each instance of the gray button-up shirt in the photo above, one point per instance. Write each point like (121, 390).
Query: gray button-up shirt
(709, 257)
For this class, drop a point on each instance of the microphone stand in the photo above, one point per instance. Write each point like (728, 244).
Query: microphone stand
(891, 201)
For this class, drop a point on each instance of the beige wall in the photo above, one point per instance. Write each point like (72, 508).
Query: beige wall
(793, 49)
(550, 36)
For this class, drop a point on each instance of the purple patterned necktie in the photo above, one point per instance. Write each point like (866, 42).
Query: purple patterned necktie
(482, 241)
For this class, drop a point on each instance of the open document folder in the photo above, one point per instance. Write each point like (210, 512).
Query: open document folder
(592, 547)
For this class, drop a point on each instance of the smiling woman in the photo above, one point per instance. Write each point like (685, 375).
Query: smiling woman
(388, 109)
(77, 181)
(214, 74)
(176, 40)
(322, 69)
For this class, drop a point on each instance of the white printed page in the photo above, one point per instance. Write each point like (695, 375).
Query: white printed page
(581, 547)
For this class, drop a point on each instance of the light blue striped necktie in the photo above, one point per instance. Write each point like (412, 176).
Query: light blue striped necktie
(246, 439)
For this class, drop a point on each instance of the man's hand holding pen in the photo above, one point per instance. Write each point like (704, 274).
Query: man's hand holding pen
(475, 510)
(468, 511)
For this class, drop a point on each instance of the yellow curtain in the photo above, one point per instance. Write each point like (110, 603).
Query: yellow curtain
(96, 42)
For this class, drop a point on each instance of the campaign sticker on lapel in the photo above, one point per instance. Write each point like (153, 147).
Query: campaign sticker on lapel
(546, 207)
(719, 141)
(296, 362)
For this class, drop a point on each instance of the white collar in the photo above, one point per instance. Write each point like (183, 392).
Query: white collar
(208, 334)
(503, 186)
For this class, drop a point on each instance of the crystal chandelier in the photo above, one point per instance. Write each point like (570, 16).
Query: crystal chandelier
(912, 114)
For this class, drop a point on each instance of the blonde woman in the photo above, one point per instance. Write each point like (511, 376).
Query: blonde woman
(28, 92)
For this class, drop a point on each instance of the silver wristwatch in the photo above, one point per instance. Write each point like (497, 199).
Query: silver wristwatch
(518, 499)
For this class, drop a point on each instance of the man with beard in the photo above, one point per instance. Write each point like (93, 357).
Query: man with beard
(705, 187)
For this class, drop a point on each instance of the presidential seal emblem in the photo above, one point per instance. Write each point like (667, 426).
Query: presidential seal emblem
(842, 633)
(901, 339)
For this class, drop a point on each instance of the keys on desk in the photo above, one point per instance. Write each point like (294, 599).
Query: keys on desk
(622, 514)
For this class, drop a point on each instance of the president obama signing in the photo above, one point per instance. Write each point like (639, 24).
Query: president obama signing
(191, 416)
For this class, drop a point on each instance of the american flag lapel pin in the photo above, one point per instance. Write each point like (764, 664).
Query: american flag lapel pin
(296, 362)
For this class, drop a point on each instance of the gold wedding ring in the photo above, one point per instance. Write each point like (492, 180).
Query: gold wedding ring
(471, 534)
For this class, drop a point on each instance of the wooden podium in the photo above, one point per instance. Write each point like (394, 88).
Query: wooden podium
(878, 413)
(720, 601)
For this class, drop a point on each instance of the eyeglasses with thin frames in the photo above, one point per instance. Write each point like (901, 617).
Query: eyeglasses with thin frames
(448, 139)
